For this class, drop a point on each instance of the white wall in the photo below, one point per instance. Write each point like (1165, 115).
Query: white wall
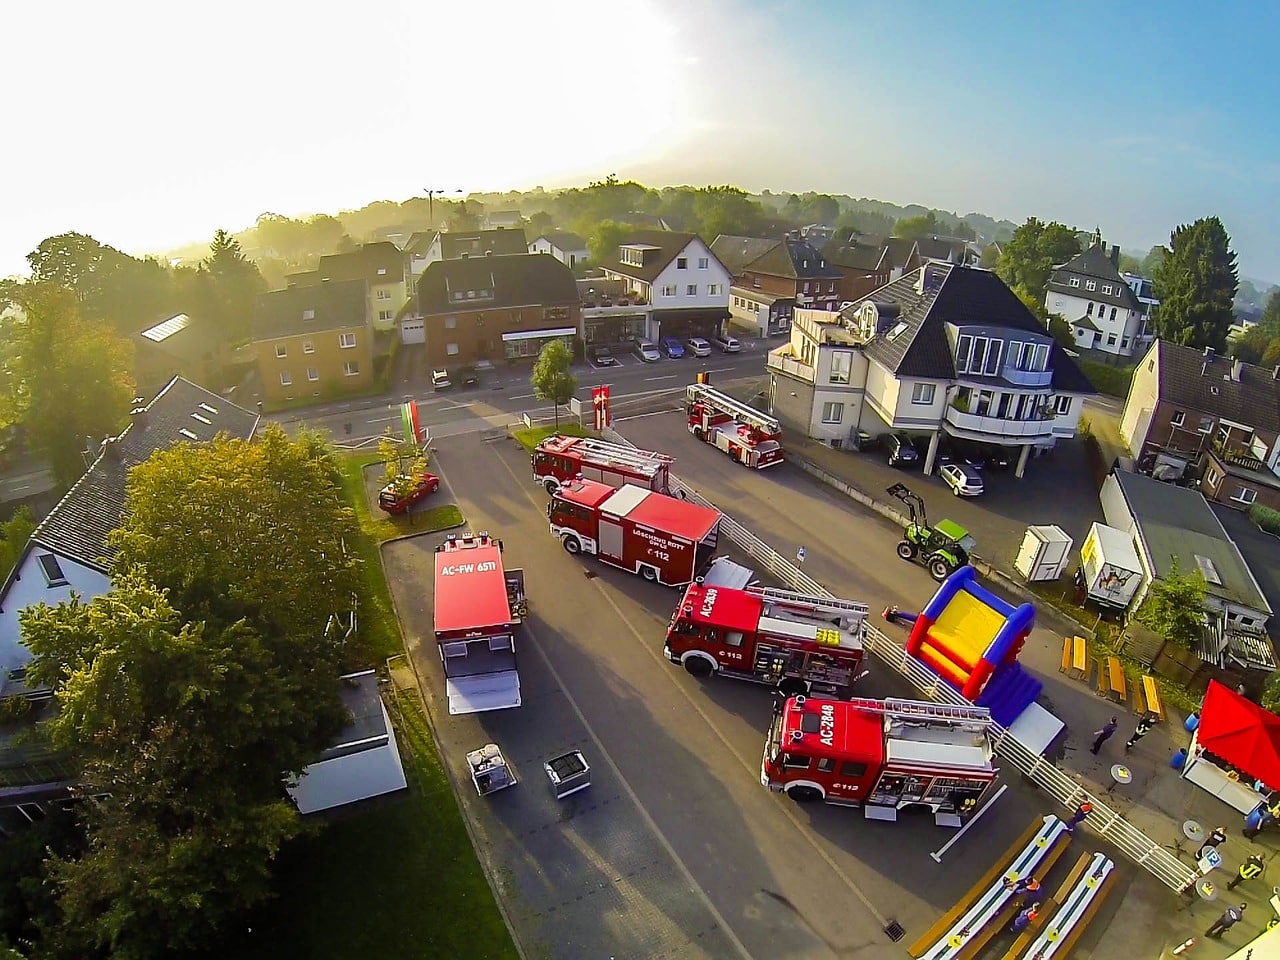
(358, 776)
(1140, 403)
(1066, 424)
(713, 274)
(824, 392)
(570, 258)
(1125, 325)
(29, 587)
(919, 415)
(882, 393)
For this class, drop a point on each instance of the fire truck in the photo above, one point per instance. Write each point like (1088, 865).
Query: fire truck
(478, 606)
(881, 755)
(752, 438)
(789, 640)
(634, 528)
(559, 458)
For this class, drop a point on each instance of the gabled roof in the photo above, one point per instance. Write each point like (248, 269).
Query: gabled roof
(898, 251)
(380, 262)
(179, 336)
(501, 241)
(420, 240)
(957, 295)
(948, 249)
(795, 260)
(856, 254)
(1188, 379)
(737, 252)
(564, 240)
(1093, 264)
(525, 279)
(77, 527)
(668, 243)
(336, 305)
(1085, 322)
(1177, 524)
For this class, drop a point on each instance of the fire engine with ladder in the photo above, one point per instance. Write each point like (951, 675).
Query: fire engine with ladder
(788, 640)
(559, 459)
(752, 438)
(882, 755)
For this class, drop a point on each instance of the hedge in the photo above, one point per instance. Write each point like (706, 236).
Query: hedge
(1266, 518)
(1113, 381)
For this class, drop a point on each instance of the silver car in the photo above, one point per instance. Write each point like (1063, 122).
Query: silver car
(698, 347)
(963, 479)
(647, 351)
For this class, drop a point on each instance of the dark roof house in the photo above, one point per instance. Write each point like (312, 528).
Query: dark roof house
(656, 249)
(495, 283)
(1226, 388)
(737, 252)
(792, 259)
(303, 309)
(563, 240)
(478, 243)
(1094, 264)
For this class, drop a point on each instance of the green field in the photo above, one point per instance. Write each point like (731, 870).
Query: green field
(532, 437)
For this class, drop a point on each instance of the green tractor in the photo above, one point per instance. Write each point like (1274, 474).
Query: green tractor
(944, 548)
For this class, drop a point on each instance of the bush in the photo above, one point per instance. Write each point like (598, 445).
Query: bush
(13, 709)
(1113, 381)
(1266, 518)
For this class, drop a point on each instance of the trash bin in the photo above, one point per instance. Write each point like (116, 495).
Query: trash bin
(568, 773)
(1193, 721)
(1179, 760)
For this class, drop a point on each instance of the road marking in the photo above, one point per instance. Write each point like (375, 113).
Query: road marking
(523, 396)
(459, 406)
(937, 854)
(381, 419)
(671, 376)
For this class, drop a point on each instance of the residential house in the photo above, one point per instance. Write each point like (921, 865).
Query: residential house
(772, 277)
(817, 234)
(1191, 409)
(569, 248)
(1172, 527)
(380, 265)
(503, 220)
(612, 314)
(314, 341)
(946, 350)
(496, 308)
(864, 264)
(177, 346)
(684, 283)
(1096, 301)
(1144, 291)
(944, 250)
(427, 247)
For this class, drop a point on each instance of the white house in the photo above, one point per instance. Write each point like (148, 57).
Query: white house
(569, 248)
(677, 275)
(364, 759)
(426, 247)
(946, 350)
(68, 552)
(1097, 302)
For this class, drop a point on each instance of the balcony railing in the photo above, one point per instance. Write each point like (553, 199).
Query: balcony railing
(999, 426)
(782, 361)
(1238, 455)
(1028, 378)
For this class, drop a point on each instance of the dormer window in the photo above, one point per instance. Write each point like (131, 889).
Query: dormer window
(1106, 288)
(1091, 285)
(382, 271)
(1074, 281)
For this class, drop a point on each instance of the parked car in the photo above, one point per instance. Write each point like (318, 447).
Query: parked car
(647, 351)
(440, 379)
(469, 376)
(404, 491)
(602, 356)
(672, 347)
(726, 343)
(902, 452)
(698, 347)
(963, 480)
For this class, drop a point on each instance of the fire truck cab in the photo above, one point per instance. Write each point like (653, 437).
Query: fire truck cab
(881, 755)
(559, 458)
(639, 530)
(478, 606)
(789, 640)
(750, 437)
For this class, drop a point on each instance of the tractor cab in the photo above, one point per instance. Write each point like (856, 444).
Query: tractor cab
(943, 548)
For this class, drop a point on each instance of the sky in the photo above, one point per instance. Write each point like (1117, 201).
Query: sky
(150, 125)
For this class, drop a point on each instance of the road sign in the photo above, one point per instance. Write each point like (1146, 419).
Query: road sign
(575, 406)
(527, 422)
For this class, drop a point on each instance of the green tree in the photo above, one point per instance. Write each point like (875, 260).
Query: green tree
(14, 534)
(1196, 285)
(65, 378)
(724, 210)
(1028, 258)
(604, 241)
(235, 284)
(1251, 346)
(915, 228)
(990, 253)
(1270, 319)
(110, 286)
(1151, 262)
(552, 379)
(1271, 359)
(1174, 608)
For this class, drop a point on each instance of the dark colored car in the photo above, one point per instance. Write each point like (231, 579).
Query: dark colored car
(469, 376)
(402, 493)
(902, 452)
(602, 356)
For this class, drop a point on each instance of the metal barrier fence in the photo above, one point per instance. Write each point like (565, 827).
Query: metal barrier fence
(1106, 821)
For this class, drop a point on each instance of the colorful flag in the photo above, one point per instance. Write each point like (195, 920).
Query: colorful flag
(409, 419)
(600, 406)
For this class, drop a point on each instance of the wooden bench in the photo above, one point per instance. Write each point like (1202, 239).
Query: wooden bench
(1115, 680)
(1146, 697)
(1100, 674)
(1079, 658)
(1066, 655)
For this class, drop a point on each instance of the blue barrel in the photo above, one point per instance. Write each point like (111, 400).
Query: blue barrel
(1179, 760)
(1193, 721)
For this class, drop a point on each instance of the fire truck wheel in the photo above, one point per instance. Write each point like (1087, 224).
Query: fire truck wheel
(804, 794)
(697, 432)
(906, 550)
(698, 667)
(649, 573)
(793, 687)
(571, 545)
(552, 487)
(939, 569)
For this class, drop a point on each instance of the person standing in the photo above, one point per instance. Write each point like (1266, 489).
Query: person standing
(800, 555)
(1230, 917)
(1219, 836)
(1102, 736)
(1143, 728)
(1248, 870)
(1077, 818)
(1024, 918)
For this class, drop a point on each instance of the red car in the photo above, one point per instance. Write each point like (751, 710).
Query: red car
(394, 499)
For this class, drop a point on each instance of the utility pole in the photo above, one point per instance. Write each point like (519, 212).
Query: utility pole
(431, 201)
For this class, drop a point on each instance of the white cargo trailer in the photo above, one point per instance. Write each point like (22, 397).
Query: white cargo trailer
(1110, 565)
(1044, 554)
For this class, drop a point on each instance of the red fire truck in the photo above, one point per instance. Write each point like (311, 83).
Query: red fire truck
(752, 438)
(559, 458)
(881, 755)
(789, 640)
(641, 531)
(478, 606)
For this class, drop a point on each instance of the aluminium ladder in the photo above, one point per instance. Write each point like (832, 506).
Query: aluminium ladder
(700, 392)
(828, 606)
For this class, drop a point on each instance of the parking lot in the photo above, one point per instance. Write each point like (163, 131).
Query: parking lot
(676, 850)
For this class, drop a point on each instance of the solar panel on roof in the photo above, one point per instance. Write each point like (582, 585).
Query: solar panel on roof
(166, 329)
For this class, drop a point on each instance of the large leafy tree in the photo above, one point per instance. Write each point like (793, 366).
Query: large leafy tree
(604, 240)
(724, 210)
(235, 283)
(1270, 319)
(915, 228)
(64, 377)
(111, 286)
(552, 379)
(1027, 260)
(1196, 284)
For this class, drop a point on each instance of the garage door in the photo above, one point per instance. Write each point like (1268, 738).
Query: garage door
(413, 330)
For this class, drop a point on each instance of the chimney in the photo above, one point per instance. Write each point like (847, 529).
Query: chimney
(1237, 368)
(1208, 354)
(1275, 374)
(138, 418)
(1115, 255)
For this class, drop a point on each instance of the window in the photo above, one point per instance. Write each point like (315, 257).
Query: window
(853, 769)
(454, 650)
(691, 290)
(308, 346)
(351, 369)
(841, 366)
(1091, 285)
(964, 343)
(669, 290)
(500, 643)
(826, 765)
(346, 340)
(1206, 424)
(732, 638)
(384, 294)
(1074, 281)
(451, 349)
(795, 761)
(1113, 314)
(52, 570)
(979, 355)
(922, 392)
(450, 322)
(1178, 419)
(831, 287)
(983, 407)
(1106, 288)
(832, 412)
(1244, 495)
(1124, 343)
(703, 263)
(1211, 477)
(313, 374)
(286, 379)
(282, 351)
(1002, 405)
(1111, 340)
(382, 272)
(993, 358)
(1041, 361)
(682, 263)
(1089, 311)
(713, 290)
(1062, 405)
(308, 314)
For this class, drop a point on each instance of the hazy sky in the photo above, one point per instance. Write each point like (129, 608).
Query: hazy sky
(150, 124)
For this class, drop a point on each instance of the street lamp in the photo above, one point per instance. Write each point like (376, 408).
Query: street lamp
(431, 201)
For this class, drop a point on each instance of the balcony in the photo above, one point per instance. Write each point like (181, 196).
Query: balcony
(783, 361)
(1027, 378)
(1237, 455)
(997, 429)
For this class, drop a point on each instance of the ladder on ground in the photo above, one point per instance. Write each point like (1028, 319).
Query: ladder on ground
(701, 393)
(827, 606)
(622, 454)
(921, 710)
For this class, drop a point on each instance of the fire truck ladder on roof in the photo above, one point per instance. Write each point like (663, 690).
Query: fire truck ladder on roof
(827, 606)
(700, 392)
(920, 710)
(629, 456)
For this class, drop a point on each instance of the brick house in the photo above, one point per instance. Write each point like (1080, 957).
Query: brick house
(773, 277)
(383, 268)
(496, 307)
(1190, 410)
(864, 265)
(314, 340)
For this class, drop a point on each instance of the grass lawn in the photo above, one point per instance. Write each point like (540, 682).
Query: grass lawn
(394, 882)
(534, 436)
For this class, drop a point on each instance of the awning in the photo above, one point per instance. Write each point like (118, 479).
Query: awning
(1241, 733)
(539, 334)
(485, 691)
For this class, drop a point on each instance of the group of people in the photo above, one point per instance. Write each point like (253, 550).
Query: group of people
(1145, 724)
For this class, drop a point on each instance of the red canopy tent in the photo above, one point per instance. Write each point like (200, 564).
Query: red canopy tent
(1241, 733)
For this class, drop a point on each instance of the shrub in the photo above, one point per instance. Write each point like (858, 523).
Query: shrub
(13, 709)
(1266, 518)
(1113, 381)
